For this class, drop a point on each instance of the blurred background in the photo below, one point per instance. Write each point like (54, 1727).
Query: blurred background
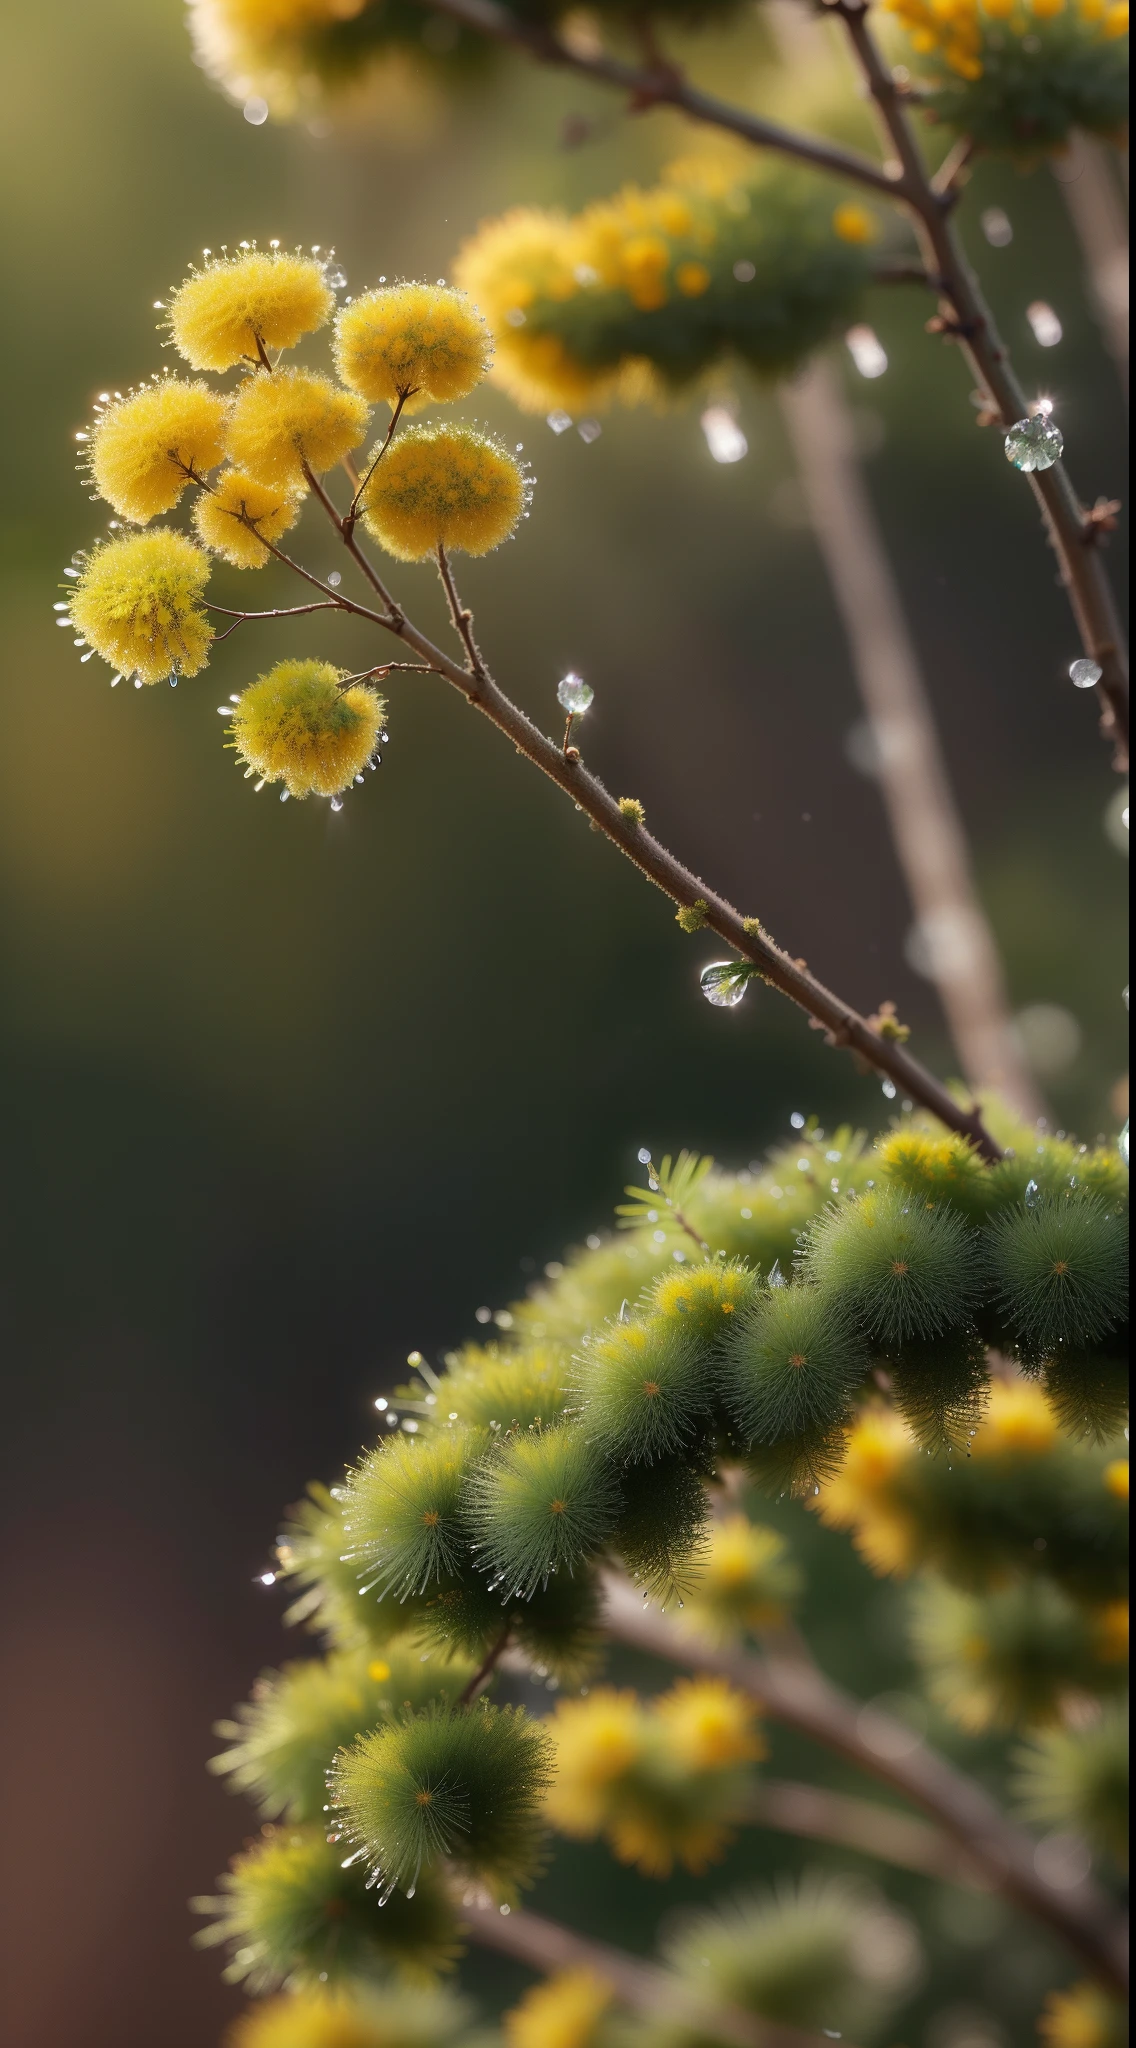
(287, 1094)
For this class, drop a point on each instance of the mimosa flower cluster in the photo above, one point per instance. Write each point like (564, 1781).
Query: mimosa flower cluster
(641, 294)
(251, 454)
(1020, 75)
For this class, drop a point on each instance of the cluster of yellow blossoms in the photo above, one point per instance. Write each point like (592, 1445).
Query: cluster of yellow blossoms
(714, 263)
(252, 454)
(960, 28)
(659, 1779)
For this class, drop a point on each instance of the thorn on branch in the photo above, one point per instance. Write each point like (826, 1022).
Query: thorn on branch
(1100, 519)
(953, 329)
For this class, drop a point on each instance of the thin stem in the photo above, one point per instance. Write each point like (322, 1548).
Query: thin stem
(652, 86)
(485, 1670)
(1096, 209)
(860, 1824)
(347, 536)
(463, 622)
(1073, 533)
(361, 485)
(644, 1987)
(841, 1024)
(288, 611)
(801, 1696)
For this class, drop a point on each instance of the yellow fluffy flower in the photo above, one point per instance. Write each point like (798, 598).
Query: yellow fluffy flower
(654, 1843)
(221, 516)
(508, 264)
(1116, 1478)
(858, 1497)
(143, 448)
(1111, 1632)
(597, 1740)
(444, 487)
(342, 2019)
(296, 725)
(420, 343)
(281, 421)
(1083, 2017)
(563, 2012)
(138, 603)
(746, 1581)
(700, 1290)
(854, 223)
(239, 305)
(708, 1726)
(1018, 1422)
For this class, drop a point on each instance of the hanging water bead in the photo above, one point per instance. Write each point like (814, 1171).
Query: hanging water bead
(1122, 1142)
(574, 695)
(1085, 674)
(723, 983)
(1035, 443)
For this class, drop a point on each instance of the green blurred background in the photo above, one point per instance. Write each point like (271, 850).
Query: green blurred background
(286, 1094)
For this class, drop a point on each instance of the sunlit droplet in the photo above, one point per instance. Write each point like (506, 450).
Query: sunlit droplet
(1085, 674)
(1034, 443)
(724, 982)
(574, 695)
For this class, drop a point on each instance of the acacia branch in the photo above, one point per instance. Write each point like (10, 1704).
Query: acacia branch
(646, 1988)
(841, 1024)
(800, 1695)
(662, 85)
(485, 1670)
(860, 1824)
(1073, 534)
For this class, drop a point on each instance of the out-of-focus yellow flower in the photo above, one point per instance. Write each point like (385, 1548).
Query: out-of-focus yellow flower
(143, 448)
(421, 343)
(444, 487)
(297, 726)
(1111, 1632)
(344, 2019)
(1082, 2017)
(692, 279)
(654, 1843)
(1116, 1478)
(854, 223)
(1116, 20)
(284, 420)
(221, 517)
(563, 2012)
(597, 1740)
(226, 313)
(859, 1498)
(1018, 1422)
(747, 1579)
(138, 602)
(708, 1725)
(508, 264)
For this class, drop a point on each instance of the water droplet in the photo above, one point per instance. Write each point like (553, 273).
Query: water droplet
(337, 803)
(1034, 443)
(888, 1088)
(797, 1120)
(1032, 1195)
(284, 795)
(1085, 674)
(255, 112)
(776, 1276)
(337, 279)
(724, 437)
(1122, 1142)
(560, 422)
(574, 695)
(334, 580)
(866, 350)
(138, 682)
(744, 270)
(1047, 328)
(723, 983)
(514, 317)
(644, 1156)
(589, 431)
(996, 227)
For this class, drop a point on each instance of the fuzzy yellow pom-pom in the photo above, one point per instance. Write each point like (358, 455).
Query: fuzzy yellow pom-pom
(854, 223)
(420, 343)
(858, 1497)
(356, 2018)
(221, 517)
(709, 1726)
(297, 726)
(1018, 1422)
(138, 601)
(1116, 1478)
(228, 312)
(563, 2012)
(597, 1740)
(746, 1581)
(444, 487)
(143, 448)
(1082, 2017)
(280, 422)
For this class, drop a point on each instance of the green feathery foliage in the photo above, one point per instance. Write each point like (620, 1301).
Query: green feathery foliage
(287, 1733)
(464, 1787)
(291, 1912)
(1022, 94)
(543, 1502)
(1087, 1387)
(402, 1512)
(660, 1536)
(490, 1389)
(905, 1270)
(1077, 1778)
(557, 1624)
(789, 1372)
(1060, 1271)
(818, 1952)
(643, 1390)
(941, 1387)
(1014, 1657)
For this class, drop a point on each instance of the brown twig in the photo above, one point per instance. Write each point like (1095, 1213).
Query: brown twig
(462, 619)
(841, 1024)
(644, 1987)
(800, 1695)
(485, 1670)
(860, 1824)
(352, 512)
